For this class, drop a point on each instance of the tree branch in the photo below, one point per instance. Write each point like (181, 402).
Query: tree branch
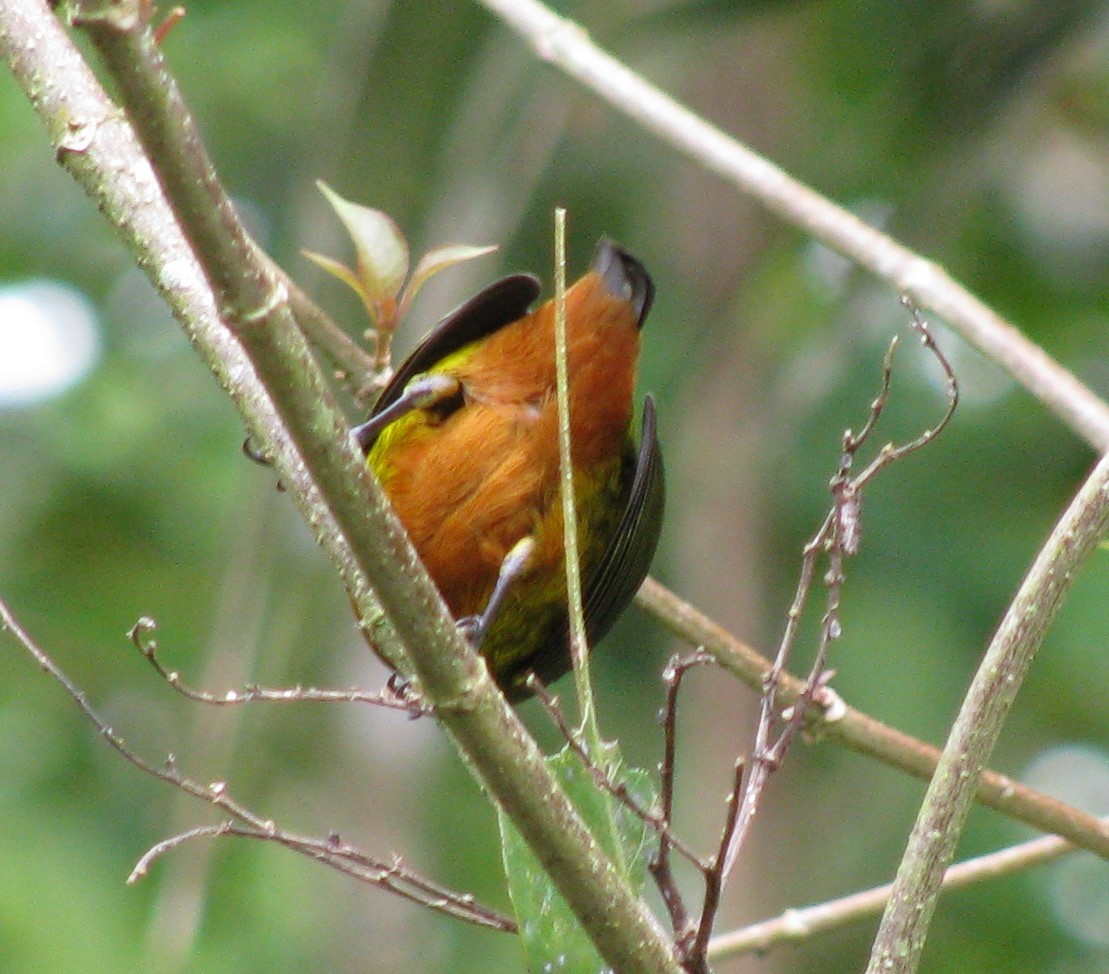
(901, 935)
(801, 924)
(331, 851)
(263, 356)
(96, 145)
(566, 45)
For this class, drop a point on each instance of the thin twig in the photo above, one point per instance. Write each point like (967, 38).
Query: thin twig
(847, 511)
(889, 453)
(602, 777)
(159, 849)
(837, 538)
(804, 923)
(214, 793)
(696, 960)
(142, 637)
(660, 866)
(330, 851)
(391, 875)
(833, 720)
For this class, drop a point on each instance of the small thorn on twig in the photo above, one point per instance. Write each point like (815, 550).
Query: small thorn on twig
(141, 635)
(171, 20)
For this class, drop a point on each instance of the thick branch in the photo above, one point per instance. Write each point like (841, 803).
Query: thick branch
(340, 497)
(901, 935)
(95, 144)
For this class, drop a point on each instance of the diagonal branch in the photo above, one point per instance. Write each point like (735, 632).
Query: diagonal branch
(142, 633)
(391, 875)
(901, 935)
(564, 44)
(314, 453)
(800, 924)
(97, 146)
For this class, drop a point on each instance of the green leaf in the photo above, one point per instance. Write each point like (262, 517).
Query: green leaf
(380, 247)
(335, 269)
(553, 940)
(435, 261)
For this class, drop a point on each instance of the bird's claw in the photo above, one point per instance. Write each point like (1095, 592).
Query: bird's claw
(472, 629)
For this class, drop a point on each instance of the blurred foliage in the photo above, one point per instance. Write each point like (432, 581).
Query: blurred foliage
(976, 132)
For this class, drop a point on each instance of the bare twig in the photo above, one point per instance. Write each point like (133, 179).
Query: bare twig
(331, 851)
(159, 849)
(890, 453)
(142, 633)
(801, 924)
(696, 959)
(837, 538)
(834, 720)
(214, 793)
(660, 866)
(391, 875)
(847, 512)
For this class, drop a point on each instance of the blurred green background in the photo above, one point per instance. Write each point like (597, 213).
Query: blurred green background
(975, 132)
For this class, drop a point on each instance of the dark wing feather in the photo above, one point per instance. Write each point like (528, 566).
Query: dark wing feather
(500, 304)
(628, 558)
(617, 578)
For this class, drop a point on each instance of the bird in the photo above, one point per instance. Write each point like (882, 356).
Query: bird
(464, 440)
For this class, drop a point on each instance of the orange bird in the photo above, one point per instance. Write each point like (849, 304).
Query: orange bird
(465, 442)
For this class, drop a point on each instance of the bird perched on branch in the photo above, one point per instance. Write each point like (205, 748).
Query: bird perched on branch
(465, 442)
